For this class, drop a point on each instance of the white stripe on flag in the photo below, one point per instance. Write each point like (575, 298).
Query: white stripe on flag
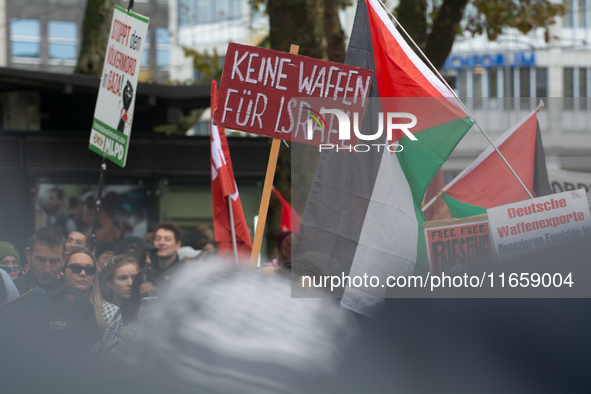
(388, 240)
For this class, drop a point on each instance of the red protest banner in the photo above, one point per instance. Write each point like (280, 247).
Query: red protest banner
(457, 244)
(264, 92)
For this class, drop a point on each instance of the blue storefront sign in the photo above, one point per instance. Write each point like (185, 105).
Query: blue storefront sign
(486, 60)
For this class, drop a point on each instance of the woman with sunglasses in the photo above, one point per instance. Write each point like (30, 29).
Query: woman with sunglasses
(119, 274)
(80, 272)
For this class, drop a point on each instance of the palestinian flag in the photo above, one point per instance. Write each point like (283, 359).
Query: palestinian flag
(488, 182)
(363, 214)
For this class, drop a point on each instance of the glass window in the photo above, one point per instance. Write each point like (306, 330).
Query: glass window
(569, 85)
(509, 88)
(25, 39)
(524, 82)
(25, 27)
(146, 54)
(194, 12)
(541, 82)
(63, 40)
(509, 83)
(61, 29)
(581, 14)
(583, 88)
(524, 88)
(492, 82)
(569, 82)
(567, 19)
(477, 88)
(162, 47)
(24, 49)
(162, 58)
(162, 36)
(582, 82)
(463, 83)
(62, 51)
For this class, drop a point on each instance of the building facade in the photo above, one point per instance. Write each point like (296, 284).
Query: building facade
(46, 35)
(502, 81)
(46, 115)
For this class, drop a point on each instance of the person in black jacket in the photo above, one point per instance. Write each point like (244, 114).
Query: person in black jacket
(71, 324)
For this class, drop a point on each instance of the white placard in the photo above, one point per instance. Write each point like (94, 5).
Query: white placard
(544, 221)
(113, 115)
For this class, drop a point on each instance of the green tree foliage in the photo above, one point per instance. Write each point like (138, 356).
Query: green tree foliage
(492, 16)
(209, 66)
(435, 32)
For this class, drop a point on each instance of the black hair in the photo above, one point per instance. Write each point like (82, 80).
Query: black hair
(145, 276)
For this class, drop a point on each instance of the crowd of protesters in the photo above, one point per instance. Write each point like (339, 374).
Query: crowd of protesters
(149, 315)
(61, 301)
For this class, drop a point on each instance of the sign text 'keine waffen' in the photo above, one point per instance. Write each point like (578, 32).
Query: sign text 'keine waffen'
(259, 90)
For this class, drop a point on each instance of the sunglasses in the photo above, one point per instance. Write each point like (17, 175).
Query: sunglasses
(9, 268)
(77, 268)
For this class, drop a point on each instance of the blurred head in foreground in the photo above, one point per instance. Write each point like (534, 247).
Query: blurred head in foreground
(224, 330)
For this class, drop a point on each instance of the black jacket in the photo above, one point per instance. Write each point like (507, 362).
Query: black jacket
(69, 320)
(170, 269)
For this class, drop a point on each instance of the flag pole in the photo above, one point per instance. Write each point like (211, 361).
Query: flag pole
(99, 194)
(456, 96)
(442, 191)
(258, 236)
(99, 191)
(233, 229)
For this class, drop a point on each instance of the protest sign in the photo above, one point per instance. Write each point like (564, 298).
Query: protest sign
(113, 115)
(457, 244)
(539, 222)
(262, 92)
(562, 181)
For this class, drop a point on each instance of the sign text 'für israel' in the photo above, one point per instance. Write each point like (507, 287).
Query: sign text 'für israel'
(261, 91)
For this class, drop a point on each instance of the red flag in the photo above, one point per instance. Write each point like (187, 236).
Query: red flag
(488, 182)
(290, 220)
(222, 186)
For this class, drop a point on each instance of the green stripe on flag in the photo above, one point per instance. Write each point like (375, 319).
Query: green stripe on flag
(461, 209)
(420, 160)
(422, 265)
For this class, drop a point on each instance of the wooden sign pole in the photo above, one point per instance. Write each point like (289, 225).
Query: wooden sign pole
(258, 237)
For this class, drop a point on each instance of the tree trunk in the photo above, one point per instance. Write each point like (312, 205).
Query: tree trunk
(95, 35)
(412, 15)
(445, 27)
(299, 22)
(335, 37)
